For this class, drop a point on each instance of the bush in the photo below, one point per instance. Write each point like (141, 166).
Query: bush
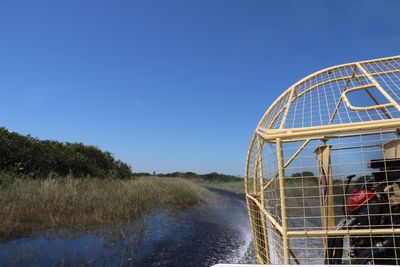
(29, 156)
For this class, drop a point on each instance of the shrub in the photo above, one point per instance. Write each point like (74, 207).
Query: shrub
(29, 156)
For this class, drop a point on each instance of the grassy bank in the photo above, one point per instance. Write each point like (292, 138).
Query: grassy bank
(31, 206)
(233, 186)
(215, 180)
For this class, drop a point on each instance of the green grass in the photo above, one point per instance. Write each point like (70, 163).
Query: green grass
(31, 206)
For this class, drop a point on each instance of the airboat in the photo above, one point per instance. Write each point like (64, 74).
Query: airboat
(322, 176)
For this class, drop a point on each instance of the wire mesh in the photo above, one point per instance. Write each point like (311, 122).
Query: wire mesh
(323, 169)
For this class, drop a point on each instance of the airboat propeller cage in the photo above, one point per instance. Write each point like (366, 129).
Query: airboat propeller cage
(332, 124)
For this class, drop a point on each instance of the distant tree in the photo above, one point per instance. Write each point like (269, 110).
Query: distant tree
(303, 174)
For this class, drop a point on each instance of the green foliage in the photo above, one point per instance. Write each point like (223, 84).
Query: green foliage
(220, 177)
(303, 174)
(212, 177)
(25, 155)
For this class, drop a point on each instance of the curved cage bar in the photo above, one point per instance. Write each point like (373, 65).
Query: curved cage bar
(322, 174)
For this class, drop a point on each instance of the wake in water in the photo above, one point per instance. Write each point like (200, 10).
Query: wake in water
(219, 233)
(235, 213)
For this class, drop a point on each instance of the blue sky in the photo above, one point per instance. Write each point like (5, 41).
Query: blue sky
(172, 85)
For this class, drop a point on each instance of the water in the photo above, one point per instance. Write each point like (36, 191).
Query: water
(192, 237)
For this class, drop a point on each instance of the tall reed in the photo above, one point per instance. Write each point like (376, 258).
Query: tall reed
(30, 206)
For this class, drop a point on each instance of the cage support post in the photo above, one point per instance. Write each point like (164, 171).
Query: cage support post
(281, 173)
(326, 189)
(260, 167)
(250, 200)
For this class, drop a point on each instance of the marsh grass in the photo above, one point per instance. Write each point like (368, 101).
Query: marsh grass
(32, 206)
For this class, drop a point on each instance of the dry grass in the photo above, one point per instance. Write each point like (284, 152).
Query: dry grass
(31, 206)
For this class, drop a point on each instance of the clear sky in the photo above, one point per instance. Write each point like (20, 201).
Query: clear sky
(172, 85)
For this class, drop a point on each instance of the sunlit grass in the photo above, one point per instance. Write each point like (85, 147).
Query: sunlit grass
(31, 206)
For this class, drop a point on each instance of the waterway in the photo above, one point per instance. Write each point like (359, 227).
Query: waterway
(218, 233)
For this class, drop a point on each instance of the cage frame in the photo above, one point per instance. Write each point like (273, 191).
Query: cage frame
(256, 182)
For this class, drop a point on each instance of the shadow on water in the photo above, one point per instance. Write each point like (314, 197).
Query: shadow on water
(219, 233)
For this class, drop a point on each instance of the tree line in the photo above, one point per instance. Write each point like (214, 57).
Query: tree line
(36, 158)
(213, 176)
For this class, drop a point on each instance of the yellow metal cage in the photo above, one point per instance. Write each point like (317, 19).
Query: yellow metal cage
(323, 169)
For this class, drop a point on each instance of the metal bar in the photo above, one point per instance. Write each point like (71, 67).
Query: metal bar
(354, 108)
(313, 128)
(256, 167)
(287, 107)
(270, 181)
(355, 232)
(261, 195)
(246, 171)
(335, 110)
(354, 147)
(380, 59)
(353, 74)
(378, 86)
(377, 102)
(281, 172)
(383, 72)
(276, 102)
(364, 87)
(329, 129)
(259, 169)
(395, 131)
(297, 153)
(372, 96)
(274, 223)
(246, 181)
